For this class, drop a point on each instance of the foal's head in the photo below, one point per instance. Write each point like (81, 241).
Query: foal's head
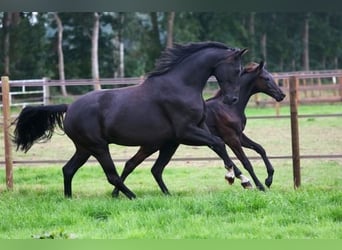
(263, 81)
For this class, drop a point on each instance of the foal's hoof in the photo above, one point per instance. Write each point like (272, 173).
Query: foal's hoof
(247, 185)
(230, 179)
(268, 182)
(262, 188)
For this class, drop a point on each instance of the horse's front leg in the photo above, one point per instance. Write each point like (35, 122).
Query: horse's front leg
(227, 133)
(200, 136)
(235, 145)
(248, 143)
(165, 154)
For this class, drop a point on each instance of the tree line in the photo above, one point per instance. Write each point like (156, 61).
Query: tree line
(124, 44)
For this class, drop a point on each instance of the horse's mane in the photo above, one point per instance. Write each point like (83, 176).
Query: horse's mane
(248, 68)
(172, 56)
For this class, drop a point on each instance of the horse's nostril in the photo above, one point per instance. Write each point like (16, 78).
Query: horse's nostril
(230, 100)
(235, 100)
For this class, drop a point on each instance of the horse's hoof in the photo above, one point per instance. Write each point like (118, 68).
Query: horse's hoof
(115, 194)
(268, 183)
(131, 196)
(247, 185)
(230, 179)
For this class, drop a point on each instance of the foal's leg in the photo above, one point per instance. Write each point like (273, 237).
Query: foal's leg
(165, 155)
(244, 180)
(132, 163)
(235, 145)
(70, 168)
(248, 143)
(101, 153)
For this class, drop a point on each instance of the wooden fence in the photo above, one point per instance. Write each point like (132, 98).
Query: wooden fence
(313, 87)
(302, 87)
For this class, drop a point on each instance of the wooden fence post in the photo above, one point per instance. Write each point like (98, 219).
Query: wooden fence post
(276, 105)
(6, 125)
(294, 131)
(339, 81)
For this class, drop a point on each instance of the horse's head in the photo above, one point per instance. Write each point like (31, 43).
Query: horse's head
(265, 83)
(227, 72)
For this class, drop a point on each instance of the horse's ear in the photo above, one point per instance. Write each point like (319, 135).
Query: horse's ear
(261, 65)
(242, 52)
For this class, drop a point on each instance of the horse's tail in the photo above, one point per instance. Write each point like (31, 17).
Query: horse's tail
(37, 124)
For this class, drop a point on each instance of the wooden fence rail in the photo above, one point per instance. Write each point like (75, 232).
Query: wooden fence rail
(313, 87)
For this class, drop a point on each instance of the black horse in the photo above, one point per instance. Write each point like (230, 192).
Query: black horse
(227, 122)
(167, 106)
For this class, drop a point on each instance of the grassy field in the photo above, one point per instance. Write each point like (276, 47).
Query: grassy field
(202, 204)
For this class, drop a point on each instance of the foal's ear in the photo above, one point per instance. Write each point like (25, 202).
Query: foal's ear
(261, 65)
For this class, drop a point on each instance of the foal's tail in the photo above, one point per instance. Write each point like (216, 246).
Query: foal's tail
(37, 124)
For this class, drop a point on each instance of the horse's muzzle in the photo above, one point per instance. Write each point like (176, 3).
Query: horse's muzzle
(280, 97)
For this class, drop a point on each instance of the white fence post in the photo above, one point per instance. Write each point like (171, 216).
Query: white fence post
(46, 91)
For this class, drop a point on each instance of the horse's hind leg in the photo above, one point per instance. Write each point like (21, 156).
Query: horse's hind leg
(103, 156)
(70, 168)
(165, 155)
(132, 163)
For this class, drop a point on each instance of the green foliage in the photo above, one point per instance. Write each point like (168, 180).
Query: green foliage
(33, 41)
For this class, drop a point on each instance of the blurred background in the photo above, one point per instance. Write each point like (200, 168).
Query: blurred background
(83, 45)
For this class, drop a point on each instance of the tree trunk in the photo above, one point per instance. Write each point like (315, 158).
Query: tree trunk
(293, 64)
(306, 43)
(121, 49)
(336, 62)
(251, 51)
(10, 20)
(7, 20)
(170, 22)
(60, 54)
(155, 30)
(264, 46)
(94, 51)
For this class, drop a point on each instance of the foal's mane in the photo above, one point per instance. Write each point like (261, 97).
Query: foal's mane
(247, 69)
(172, 56)
(250, 67)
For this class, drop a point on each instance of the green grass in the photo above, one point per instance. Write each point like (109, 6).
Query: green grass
(202, 205)
(335, 108)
